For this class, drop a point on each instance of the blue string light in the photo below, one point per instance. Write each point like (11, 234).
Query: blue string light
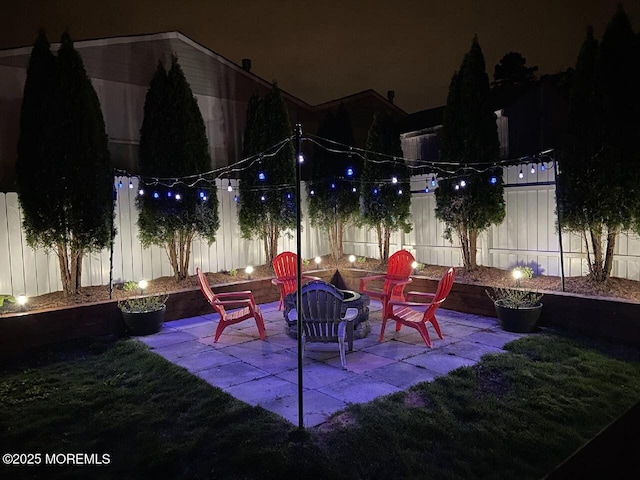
(493, 180)
(349, 172)
(156, 195)
(261, 176)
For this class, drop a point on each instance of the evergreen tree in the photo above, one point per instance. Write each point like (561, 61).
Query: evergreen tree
(599, 162)
(334, 201)
(267, 190)
(512, 71)
(173, 143)
(469, 135)
(68, 199)
(385, 204)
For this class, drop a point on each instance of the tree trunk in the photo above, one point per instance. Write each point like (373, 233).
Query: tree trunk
(379, 233)
(463, 234)
(63, 262)
(608, 259)
(387, 239)
(473, 243)
(70, 263)
(171, 249)
(596, 269)
(340, 237)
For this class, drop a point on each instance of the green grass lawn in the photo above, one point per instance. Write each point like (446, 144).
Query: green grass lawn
(512, 416)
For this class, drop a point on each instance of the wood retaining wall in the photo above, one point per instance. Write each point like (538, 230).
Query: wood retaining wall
(612, 319)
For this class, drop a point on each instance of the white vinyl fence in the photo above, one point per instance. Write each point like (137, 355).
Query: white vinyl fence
(527, 236)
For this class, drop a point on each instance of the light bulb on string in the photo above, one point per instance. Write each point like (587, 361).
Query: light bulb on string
(457, 187)
(263, 198)
(543, 167)
(375, 191)
(433, 181)
(141, 192)
(204, 199)
(169, 194)
(120, 184)
(130, 185)
(261, 176)
(394, 179)
(300, 158)
(354, 189)
(333, 185)
(533, 168)
(520, 175)
(493, 180)
(349, 172)
(178, 196)
(156, 195)
(236, 198)
(229, 187)
(288, 196)
(463, 183)
(312, 192)
(426, 189)
(399, 191)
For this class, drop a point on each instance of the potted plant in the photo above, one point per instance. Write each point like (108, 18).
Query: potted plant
(517, 309)
(142, 314)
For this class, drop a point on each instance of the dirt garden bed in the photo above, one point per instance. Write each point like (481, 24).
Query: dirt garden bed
(488, 276)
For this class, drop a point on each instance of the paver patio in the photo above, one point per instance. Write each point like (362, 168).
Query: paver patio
(265, 372)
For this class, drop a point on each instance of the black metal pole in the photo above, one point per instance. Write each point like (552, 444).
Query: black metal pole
(555, 178)
(299, 274)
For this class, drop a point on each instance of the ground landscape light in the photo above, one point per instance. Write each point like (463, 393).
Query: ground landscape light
(248, 270)
(22, 300)
(318, 260)
(352, 258)
(414, 264)
(143, 284)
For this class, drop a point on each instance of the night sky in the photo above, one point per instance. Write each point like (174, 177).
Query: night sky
(325, 49)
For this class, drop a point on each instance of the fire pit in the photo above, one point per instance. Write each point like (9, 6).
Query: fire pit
(359, 301)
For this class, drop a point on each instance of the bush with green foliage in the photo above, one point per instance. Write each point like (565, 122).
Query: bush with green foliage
(385, 205)
(173, 143)
(334, 202)
(267, 185)
(470, 136)
(64, 173)
(598, 184)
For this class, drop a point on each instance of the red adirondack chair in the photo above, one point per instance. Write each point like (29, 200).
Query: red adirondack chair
(404, 313)
(399, 268)
(285, 265)
(243, 304)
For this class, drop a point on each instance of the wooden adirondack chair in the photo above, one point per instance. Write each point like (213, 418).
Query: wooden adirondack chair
(322, 319)
(398, 275)
(404, 313)
(285, 265)
(243, 303)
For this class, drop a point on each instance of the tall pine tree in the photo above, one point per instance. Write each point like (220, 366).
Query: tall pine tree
(334, 202)
(600, 160)
(386, 204)
(469, 135)
(173, 143)
(64, 171)
(267, 186)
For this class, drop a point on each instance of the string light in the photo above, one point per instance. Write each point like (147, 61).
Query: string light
(300, 158)
(178, 196)
(229, 187)
(442, 169)
(156, 195)
(463, 183)
(169, 193)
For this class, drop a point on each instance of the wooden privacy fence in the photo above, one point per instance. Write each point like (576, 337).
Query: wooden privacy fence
(527, 236)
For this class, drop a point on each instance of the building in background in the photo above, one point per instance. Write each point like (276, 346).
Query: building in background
(121, 69)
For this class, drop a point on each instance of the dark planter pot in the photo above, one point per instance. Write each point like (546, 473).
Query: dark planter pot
(519, 320)
(144, 323)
